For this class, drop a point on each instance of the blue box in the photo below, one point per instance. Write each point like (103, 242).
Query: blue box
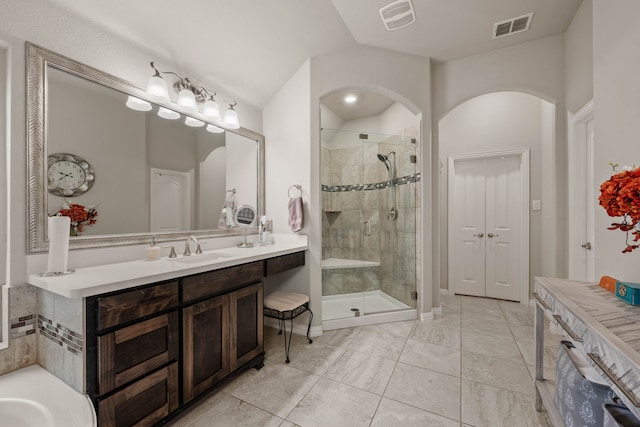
(628, 292)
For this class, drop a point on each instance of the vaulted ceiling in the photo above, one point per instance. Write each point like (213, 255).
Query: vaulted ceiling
(252, 47)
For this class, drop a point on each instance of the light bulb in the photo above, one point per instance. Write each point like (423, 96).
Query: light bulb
(157, 89)
(137, 104)
(211, 110)
(231, 118)
(214, 129)
(165, 113)
(187, 100)
(194, 123)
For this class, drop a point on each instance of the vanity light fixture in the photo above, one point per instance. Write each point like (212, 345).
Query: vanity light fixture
(137, 104)
(165, 113)
(194, 123)
(214, 129)
(231, 117)
(188, 98)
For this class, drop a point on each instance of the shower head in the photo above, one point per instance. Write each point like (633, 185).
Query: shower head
(384, 159)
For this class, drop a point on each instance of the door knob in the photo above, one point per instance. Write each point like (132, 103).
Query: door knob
(492, 235)
(479, 235)
(587, 246)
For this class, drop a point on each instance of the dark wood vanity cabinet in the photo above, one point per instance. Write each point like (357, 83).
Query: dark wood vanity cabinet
(154, 349)
(205, 331)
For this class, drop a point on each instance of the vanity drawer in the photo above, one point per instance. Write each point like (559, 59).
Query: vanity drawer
(143, 403)
(131, 352)
(117, 309)
(283, 263)
(220, 281)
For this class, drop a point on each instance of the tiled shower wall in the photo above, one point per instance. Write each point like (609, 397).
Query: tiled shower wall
(47, 329)
(354, 191)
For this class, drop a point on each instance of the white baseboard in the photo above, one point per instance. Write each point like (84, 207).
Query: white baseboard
(426, 317)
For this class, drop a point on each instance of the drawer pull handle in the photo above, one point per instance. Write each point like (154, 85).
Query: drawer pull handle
(566, 328)
(541, 301)
(614, 379)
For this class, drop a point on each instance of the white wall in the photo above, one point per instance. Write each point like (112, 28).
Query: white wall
(616, 91)
(287, 130)
(535, 68)
(496, 121)
(578, 58)
(51, 27)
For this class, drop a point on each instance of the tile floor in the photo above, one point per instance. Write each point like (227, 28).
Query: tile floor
(470, 366)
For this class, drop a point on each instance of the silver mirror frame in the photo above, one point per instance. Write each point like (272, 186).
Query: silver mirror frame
(37, 61)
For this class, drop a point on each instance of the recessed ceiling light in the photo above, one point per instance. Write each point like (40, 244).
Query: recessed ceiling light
(350, 99)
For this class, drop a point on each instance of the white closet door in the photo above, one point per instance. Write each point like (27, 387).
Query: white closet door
(503, 217)
(469, 227)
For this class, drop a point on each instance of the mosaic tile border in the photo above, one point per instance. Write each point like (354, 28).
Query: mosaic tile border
(376, 186)
(66, 338)
(22, 326)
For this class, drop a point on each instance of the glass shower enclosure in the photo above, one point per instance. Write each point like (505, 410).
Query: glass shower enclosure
(369, 187)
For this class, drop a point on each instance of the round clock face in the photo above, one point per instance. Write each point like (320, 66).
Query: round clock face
(69, 175)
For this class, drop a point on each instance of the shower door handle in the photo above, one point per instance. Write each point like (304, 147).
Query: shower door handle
(367, 228)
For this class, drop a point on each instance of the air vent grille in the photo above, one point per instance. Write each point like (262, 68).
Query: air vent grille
(398, 14)
(512, 26)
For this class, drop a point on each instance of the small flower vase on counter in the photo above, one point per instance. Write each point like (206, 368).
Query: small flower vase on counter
(73, 231)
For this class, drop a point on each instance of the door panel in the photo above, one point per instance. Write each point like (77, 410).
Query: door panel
(485, 208)
(469, 219)
(503, 183)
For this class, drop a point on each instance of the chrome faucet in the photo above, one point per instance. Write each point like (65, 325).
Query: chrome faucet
(187, 251)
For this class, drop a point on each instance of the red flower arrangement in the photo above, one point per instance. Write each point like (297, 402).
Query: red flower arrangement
(620, 197)
(79, 215)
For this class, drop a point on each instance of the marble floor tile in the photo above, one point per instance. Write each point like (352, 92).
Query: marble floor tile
(337, 337)
(447, 319)
(487, 327)
(330, 403)
(401, 329)
(490, 345)
(515, 306)
(276, 389)
(519, 318)
(224, 410)
(315, 358)
(286, 423)
(528, 354)
(430, 356)
(392, 413)
(485, 405)
(361, 370)
(525, 334)
(468, 301)
(483, 313)
(378, 344)
(496, 371)
(433, 334)
(450, 299)
(425, 389)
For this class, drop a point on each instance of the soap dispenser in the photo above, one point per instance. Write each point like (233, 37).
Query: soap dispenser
(153, 250)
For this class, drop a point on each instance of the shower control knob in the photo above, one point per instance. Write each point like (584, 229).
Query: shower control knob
(479, 235)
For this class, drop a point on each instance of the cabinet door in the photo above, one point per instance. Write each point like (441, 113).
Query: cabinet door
(143, 403)
(131, 352)
(205, 345)
(246, 325)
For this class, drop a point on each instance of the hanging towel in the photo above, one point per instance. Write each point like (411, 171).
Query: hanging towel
(296, 216)
(226, 214)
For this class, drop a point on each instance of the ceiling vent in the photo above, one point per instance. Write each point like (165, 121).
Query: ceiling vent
(398, 14)
(512, 26)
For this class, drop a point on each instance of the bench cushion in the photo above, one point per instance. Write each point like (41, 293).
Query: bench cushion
(285, 301)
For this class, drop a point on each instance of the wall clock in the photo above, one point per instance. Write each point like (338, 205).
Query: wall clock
(69, 175)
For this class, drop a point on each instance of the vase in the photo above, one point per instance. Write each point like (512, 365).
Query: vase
(73, 231)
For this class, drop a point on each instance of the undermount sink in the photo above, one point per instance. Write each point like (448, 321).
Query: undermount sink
(198, 258)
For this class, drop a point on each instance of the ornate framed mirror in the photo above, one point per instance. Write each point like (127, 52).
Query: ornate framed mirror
(151, 175)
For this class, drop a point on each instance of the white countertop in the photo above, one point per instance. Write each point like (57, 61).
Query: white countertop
(89, 281)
